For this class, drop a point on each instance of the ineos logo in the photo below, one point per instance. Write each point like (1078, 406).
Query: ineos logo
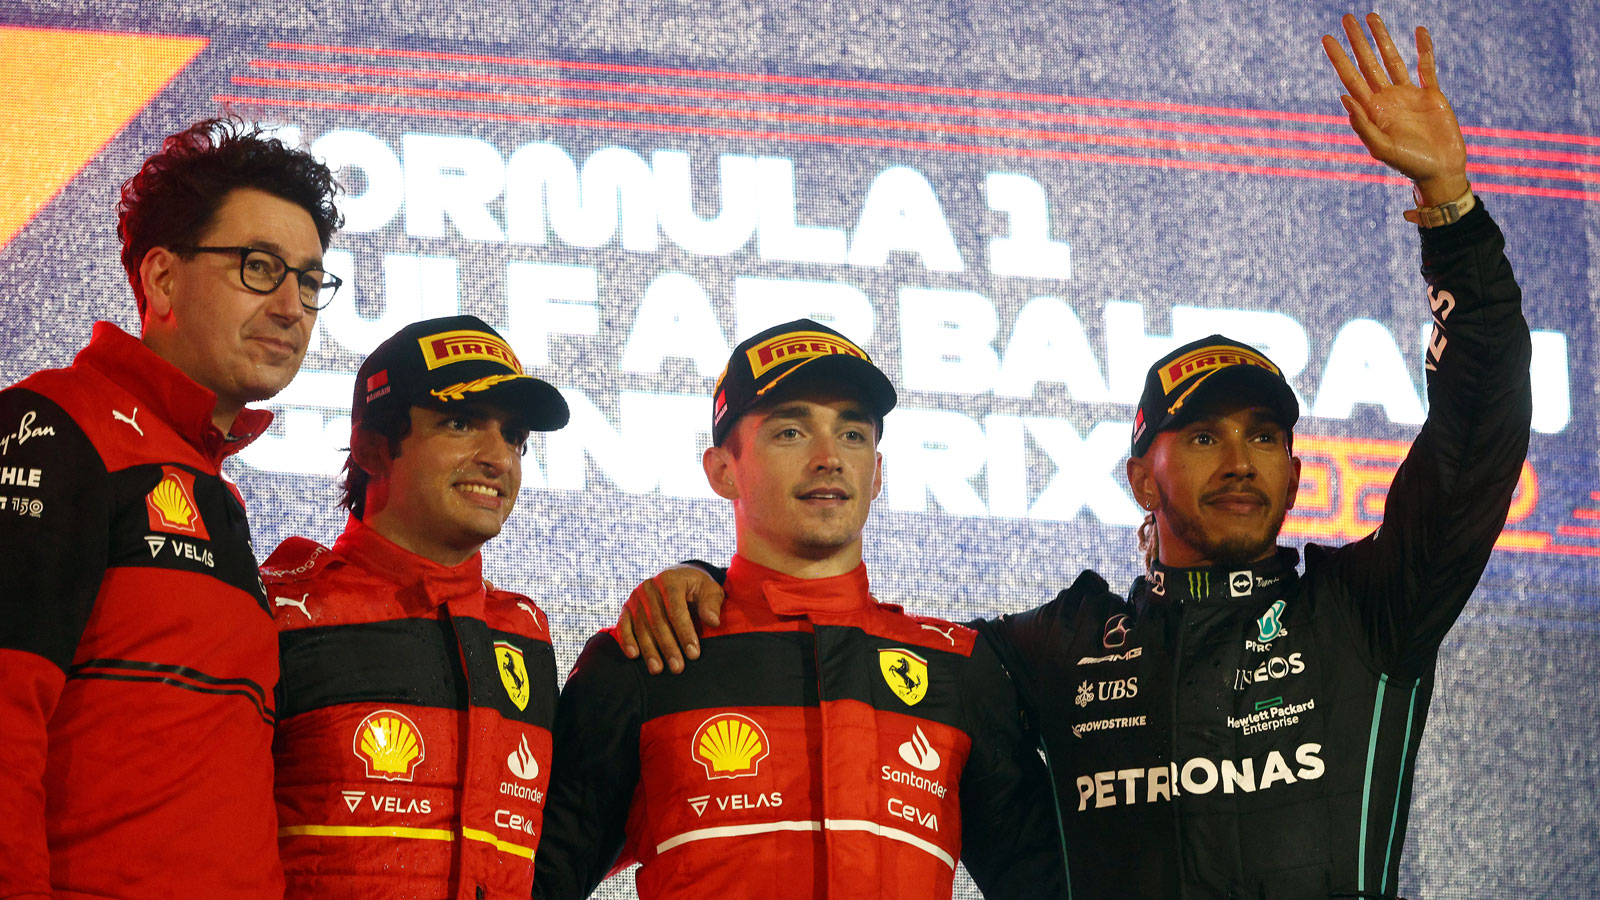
(1116, 633)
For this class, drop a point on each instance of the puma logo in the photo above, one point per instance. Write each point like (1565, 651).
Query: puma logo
(532, 612)
(129, 419)
(299, 604)
(943, 631)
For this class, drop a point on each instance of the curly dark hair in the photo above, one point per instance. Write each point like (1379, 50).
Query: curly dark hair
(176, 193)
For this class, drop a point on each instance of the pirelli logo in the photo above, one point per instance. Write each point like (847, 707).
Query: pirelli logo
(1207, 359)
(459, 346)
(799, 345)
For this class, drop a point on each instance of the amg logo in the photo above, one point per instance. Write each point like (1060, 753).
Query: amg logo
(799, 345)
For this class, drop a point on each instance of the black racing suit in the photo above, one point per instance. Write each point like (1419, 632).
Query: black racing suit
(1252, 732)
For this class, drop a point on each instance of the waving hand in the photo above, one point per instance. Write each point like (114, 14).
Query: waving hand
(1409, 127)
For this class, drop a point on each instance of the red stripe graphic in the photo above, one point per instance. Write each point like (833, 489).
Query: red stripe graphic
(768, 107)
(894, 87)
(851, 102)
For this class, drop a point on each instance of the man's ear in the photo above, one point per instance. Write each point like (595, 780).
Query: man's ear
(370, 450)
(1143, 482)
(877, 475)
(718, 463)
(157, 272)
(1294, 486)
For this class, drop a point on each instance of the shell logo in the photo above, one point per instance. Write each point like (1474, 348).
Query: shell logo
(171, 505)
(730, 746)
(389, 745)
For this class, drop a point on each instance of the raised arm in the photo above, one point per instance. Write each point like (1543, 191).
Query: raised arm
(1407, 582)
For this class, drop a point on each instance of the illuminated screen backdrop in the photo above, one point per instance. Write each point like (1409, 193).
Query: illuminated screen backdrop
(1013, 207)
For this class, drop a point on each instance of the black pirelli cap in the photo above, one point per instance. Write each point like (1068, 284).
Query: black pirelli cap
(437, 362)
(792, 354)
(1181, 385)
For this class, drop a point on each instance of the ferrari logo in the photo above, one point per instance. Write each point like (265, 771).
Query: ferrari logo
(513, 672)
(906, 674)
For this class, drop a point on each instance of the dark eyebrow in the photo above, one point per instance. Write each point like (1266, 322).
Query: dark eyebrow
(277, 248)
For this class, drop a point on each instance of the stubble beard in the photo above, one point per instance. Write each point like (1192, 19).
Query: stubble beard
(820, 539)
(1232, 550)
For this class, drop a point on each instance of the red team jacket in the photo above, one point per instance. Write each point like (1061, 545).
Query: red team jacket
(824, 745)
(136, 651)
(413, 744)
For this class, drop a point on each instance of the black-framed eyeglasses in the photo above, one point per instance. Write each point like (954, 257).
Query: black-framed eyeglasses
(262, 271)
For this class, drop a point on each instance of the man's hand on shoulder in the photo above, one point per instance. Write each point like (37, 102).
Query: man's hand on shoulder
(1408, 127)
(656, 622)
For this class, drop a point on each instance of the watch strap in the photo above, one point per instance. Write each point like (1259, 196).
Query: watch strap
(1443, 214)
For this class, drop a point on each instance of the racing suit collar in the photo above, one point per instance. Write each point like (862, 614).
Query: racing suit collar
(433, 584)
(791, 596)
(166, 393)
(1260, 581)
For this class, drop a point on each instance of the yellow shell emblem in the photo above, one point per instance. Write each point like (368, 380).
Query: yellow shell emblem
(905, 672)
(513, 672)
(730, 746)
(390, 745)
(169, 500)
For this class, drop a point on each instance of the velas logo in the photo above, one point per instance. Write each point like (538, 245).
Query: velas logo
(460, 346)
(799, 345)
(905, 672)
(460, 390)
(389, 744)
(513, 672)
(1209, 359)
(171, 505)
(730, 746)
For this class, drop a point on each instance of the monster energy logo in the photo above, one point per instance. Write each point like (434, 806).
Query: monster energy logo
(1199, 584)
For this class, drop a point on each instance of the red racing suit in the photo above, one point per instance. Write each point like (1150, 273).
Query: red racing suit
(136, 651)
(413, 744)
(824, 745)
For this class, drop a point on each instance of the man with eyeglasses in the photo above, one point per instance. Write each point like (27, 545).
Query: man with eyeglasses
(137, 653)
(415, 705)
